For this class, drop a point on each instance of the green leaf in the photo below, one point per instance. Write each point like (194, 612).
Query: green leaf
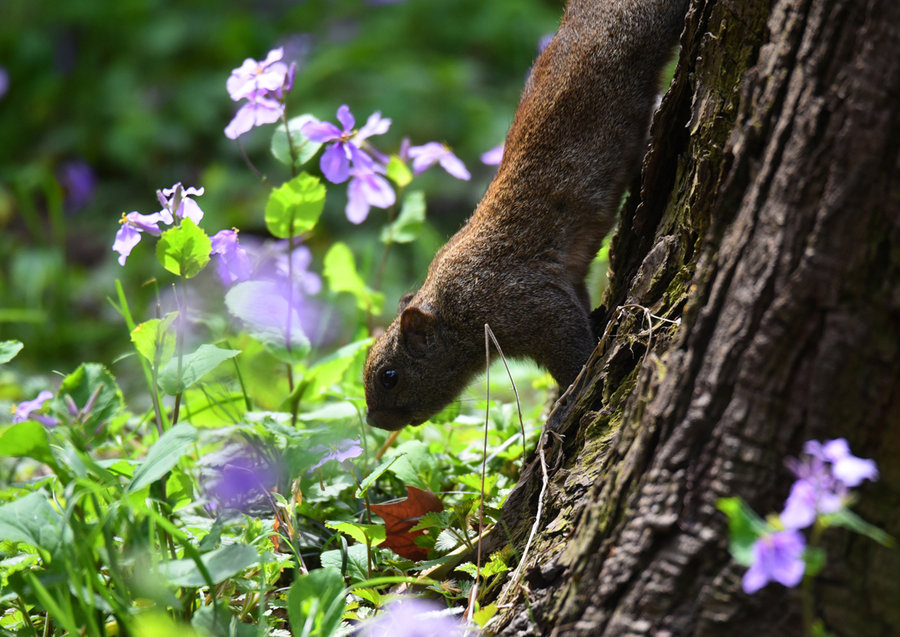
(330, 369)
(484, 614)
(214, 620)
(163, 455)
(316, 600)
(744, 527)
(447, 414)
(91, 382)
(33, 520)
(194, 366)
(398, 172)
(372, 477)
(295, 206)
(26, 440)
(341, 274)
(357, 562)
(330, 412)
(304, 148)
(409, 223)
(468, 568)
(359, 532)
(8, 350)
(263, 309)
(184, 250)
(371, 595)
(154, 337)
(222, 563)
(415, 463)
(849, 520)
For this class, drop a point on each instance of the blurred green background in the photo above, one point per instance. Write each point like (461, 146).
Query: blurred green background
(102, 103)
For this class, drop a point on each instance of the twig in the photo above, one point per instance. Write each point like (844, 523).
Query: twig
(545, 480)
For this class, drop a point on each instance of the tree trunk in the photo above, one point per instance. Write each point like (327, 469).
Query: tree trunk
(768, 222)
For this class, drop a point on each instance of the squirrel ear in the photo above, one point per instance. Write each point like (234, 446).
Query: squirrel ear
(404, 301)
(417, 329)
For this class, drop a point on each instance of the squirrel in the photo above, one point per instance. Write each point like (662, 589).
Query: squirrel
(520, 262)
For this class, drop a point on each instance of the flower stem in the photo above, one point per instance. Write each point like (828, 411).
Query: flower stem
(179, 346)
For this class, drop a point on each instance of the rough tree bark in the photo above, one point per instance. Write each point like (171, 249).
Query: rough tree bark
(768, 222)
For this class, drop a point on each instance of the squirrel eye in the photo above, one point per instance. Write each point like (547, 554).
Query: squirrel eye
(389, 378)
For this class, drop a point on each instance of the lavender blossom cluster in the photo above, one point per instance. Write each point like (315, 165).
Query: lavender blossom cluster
(825, 474)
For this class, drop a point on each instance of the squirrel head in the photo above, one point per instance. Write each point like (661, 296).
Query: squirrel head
(413, 371)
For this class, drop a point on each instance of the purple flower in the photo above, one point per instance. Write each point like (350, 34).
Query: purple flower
(367, 188)
(77, 180)
(846, 467)
(176, 202)
(24, 410)
(825, 474)
(263, 85)
(233, 262)
(340, 451)
(257, 111)
(345, 149)
(301, 258)
(776, 556)
(4, 81)
(242, 481)
(132, 226)
(276, 310)
(413, 617)
(493, 156)
(425, 156)
(254, 78)
(807, 499)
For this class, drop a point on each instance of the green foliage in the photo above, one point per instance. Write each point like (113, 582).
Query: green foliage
(408, 225)
(163, 456)
(297, 150)
(181, 488)
(295, 206)
(9, 349)
(315, 602)
(744, 527)
(184, 250)
(178, 375)
(26, 440)
(342, 276)
(155, 340)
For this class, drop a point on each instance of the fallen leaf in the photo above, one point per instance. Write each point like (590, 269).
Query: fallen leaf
(400, 516)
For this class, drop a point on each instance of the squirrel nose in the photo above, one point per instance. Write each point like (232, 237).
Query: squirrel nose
(383, 419)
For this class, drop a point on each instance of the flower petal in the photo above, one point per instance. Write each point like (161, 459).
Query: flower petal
(22, 411)
(378, 191)
(754, 579)
(126, 238)
(241, 123)
(375, 125)
(425, 156)
(800, 508)
(334, 164)
(345, 117)
(255, 113)
(852, 470)
(493, 156)
(357, 205)
(273, 56)
(321, 132)
(190, 209)
(453, 165)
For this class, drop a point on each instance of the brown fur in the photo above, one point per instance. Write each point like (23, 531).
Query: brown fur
(520, 262)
